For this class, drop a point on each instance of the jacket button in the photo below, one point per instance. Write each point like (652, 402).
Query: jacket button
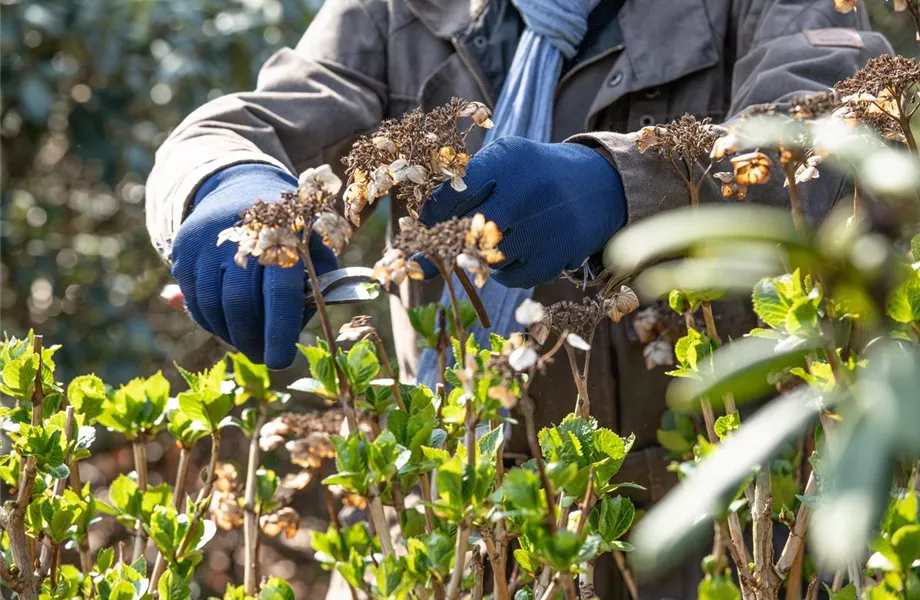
(479, 42)
(646, 120)
(615, 79)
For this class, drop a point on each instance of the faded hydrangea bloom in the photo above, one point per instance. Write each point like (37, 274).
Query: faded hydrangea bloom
(414, 154)
(658, 354)
(880, 94)
(275, 232)
(471, 244)
(752, 168)
(730, 186)
(285, 519)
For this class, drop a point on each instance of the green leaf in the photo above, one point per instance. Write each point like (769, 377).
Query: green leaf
(727, 423)
(253, 378)
(322, 368)
(104, 560)
(19, 377)
(122, 590)
(529, 561)
(904, 303)
(363, 365)
(612, 517)
(173, 586)
(87, 395)
(522, 489)
(915, 247)
(847, 592)
(906, 542)
(276, 589)
(311, 386)
(266, 485)
(125, 496)
(490, 443)
(718, 588)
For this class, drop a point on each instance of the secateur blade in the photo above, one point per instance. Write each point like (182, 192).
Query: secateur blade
(348, 285)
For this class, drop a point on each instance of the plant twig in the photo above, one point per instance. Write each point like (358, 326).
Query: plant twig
(477, 569)
(628, 578)
(76, 484)
(139, 445)
(59, 485)
(473, 295)
(795, 201)
(796, 539)
(250, 515)
(345, 395)
(527, 408)
(185, 455)
(765, 576)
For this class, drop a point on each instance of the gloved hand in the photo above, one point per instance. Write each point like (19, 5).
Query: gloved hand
(556, 205)
(259, 310)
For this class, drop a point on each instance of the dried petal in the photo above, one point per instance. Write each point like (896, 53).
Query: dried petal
(845, 6)
(297, 481)
(319, 180)
(658, 354)
(752, 168)
(727, 144)
(523, 358)
(529, 312)
(269, 442)
(384, 143)
(648, 138)
(334, 229)
(624, 302)
(479, 112)
(504, 396)
(577, 342)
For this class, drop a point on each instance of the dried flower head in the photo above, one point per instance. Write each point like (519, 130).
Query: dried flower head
(813, 106)
(225, 508)
(285, 519)
(730, 186)
(879, 93)
(752, 168)
(470, 243)
(414, 154)
(356, 330)
(845, 6)
(579, 318)
(808, 170)
(658, 354)
(688, 138)
(274, 232)
(311, 442)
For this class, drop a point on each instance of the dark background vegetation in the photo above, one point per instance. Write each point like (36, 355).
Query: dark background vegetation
(89, 89)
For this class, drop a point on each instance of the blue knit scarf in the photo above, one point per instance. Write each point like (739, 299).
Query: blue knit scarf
(554, 31)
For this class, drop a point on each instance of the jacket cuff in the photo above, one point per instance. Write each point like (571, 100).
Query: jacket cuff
(165, 217)
(649, 185)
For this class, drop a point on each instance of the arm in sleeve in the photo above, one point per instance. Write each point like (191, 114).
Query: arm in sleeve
(309, 104)
(776, 61)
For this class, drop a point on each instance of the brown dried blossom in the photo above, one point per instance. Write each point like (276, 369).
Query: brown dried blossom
(225, 509)
(414, 154)
(882, 95)
(356, 330)
(687, 137)
(658, 353)
(813, 106)
(285, 519)
(579, 318)
(470, 243)
(273, 232)
(730, 186)
(752, 168)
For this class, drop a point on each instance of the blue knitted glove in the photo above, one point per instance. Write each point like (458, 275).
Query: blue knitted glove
(259, 310)
(556, 205)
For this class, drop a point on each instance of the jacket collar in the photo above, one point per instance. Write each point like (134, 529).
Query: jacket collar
(447, 18)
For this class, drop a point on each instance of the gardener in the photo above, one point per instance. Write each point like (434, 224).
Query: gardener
(556, 69)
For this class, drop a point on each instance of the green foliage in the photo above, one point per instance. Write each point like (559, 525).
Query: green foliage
(136, 408)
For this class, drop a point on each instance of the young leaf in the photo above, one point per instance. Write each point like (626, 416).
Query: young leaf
(87, 394)
(173, 586)
(727, 423)
(322, 368)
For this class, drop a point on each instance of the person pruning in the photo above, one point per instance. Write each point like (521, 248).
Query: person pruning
(571, 83)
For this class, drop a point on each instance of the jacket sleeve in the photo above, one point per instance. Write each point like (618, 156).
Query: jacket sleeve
(309, 104)
(778, 57)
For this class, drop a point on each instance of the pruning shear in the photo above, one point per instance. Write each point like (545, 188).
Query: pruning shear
(348, 285)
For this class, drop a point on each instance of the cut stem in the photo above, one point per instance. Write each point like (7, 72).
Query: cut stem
(140, 467)
(473, 295)
(250, 515)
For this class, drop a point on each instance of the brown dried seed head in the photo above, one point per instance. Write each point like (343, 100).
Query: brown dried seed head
(752, 168)
(658, 354)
